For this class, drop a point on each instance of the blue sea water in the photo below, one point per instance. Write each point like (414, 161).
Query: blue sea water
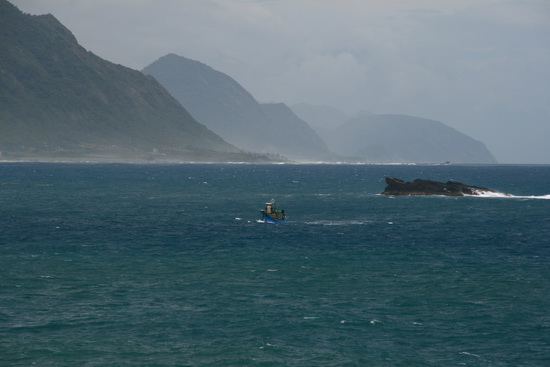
(166, 265)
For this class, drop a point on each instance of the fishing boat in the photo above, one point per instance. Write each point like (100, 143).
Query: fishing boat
(270, 213)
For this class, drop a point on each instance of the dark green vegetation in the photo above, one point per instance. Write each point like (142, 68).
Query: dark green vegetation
(223, 105)
(58, 100)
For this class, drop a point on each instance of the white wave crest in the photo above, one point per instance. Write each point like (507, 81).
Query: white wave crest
(492, 194)
(338, 222)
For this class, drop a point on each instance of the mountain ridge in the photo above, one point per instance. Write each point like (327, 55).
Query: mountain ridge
(398, 138)
(392, 138)
(222, 104)
(58, 99)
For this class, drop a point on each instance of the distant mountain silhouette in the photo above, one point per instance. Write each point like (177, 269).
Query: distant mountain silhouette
(57, 99)
(391, 138)
(224, 106)
(402, 138)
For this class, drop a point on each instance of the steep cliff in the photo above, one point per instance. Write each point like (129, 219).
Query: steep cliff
(224, 106)
(56, 98)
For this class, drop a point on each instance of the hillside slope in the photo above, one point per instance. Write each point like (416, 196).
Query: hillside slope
(224, 106)
(56, 98)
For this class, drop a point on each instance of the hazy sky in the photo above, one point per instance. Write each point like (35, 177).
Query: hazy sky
(480, 66)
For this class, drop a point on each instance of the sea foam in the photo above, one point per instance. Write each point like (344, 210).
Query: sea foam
(491, 194)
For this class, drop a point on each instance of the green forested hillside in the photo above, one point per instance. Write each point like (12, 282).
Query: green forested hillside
(58, 99)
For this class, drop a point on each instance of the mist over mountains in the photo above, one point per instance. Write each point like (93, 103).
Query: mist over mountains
(392, 138)
(406, 139)
(223, 105)
(320, 117)
(59, 100)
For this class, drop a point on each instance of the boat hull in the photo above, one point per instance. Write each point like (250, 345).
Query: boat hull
(267, 218)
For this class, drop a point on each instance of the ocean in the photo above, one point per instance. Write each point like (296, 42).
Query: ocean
(166, 265)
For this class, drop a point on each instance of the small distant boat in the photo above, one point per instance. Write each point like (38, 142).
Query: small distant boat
(270, 213)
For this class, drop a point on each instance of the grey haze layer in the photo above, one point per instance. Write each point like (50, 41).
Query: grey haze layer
(223, 105)
(320, 117)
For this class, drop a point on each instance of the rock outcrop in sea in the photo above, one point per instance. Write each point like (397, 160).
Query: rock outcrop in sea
(396, 186)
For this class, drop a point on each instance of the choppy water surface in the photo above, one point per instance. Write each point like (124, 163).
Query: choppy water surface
(165, 265)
